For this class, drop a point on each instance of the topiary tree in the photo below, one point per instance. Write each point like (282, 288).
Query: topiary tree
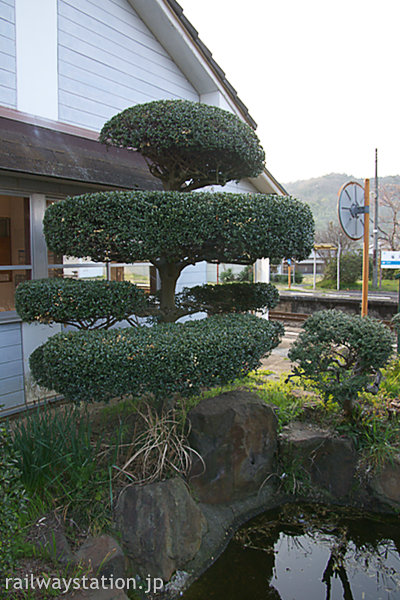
(173, 230)
(342, 354)
(187, 145)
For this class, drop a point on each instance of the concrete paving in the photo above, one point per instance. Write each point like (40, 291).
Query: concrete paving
(278, 361)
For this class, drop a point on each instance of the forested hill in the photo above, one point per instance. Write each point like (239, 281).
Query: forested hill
(321, 193)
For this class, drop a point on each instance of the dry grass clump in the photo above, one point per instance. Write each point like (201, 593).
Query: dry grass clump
(159, 448)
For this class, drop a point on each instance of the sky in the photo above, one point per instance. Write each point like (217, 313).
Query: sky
(320, 78)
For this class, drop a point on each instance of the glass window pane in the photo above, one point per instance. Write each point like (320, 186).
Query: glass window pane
(15, 247)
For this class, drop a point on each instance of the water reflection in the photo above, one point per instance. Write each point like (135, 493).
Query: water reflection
(308, 553)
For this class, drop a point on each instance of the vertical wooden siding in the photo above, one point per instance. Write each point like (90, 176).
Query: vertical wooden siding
(11, 374)
(8, 83)
(109, 60)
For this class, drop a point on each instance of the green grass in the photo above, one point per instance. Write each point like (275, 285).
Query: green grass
(387, 285)
(60, 464)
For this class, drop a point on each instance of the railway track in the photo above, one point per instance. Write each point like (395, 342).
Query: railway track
(276, 315)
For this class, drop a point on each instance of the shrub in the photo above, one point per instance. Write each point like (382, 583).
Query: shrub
(396, 323)
(244, 275)
(228, 276)
(281, 278)
(342, 354)
(351, 265)
(13, 500)
(55, 451)
(190, 145)
(77, 302)
(162, 360)
(390, 273)
(231, 297)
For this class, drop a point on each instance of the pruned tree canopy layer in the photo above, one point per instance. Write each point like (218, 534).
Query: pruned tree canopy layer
(171, 227)
(188, 145)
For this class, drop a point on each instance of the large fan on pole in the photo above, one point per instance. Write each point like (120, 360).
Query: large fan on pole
(353, 209)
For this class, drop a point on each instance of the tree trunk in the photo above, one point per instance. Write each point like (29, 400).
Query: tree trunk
(169, 273)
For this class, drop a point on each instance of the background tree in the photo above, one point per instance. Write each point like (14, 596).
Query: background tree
(389, 215)
(351, 264)
(332, 235)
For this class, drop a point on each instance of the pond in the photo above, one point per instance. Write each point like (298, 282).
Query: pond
(308, 552)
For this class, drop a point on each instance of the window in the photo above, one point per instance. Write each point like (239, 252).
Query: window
(15, 248)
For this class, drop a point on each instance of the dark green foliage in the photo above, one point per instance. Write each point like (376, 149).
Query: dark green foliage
(342, 354)
(282, 278)
(246, 274)
(190, 145)
(180, 229)
(390, 273)
(163, 359)
(230, 297)
(12, 500)
(54, 449)
(228, 276)
(351, 265)
(64, 463)
(82, 303)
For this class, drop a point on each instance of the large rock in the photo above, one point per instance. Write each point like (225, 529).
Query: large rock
(235, 434)
(100, 594)
(103, 556)
(329, 461)
(386, 484)
(161, 527)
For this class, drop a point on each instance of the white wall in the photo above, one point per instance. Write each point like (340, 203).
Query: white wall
(36, 48)
(109, 60)
(8, 82)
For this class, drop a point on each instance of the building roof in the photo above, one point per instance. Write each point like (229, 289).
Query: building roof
(38, 146)
(34, 150)
(207, 54)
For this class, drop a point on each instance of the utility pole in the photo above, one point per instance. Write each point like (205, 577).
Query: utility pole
(364, 301)
(375, 259)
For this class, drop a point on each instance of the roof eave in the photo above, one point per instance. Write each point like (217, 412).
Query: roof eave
(166, 20)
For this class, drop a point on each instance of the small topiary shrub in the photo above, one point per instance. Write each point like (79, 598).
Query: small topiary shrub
(342, 354)
(85, 304)
(231, 297)
(13, 501)
(190, 145)
(161, 360)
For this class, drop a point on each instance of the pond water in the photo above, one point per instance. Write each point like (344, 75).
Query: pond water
(307, 552)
